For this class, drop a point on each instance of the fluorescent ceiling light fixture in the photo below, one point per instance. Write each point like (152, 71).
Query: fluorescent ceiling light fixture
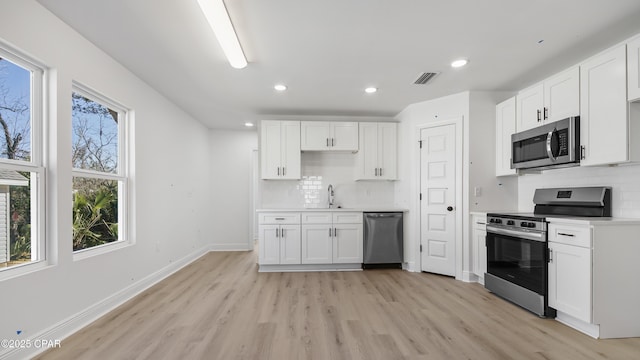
(218, 18)
(459, 63)
(280, 87)
(370, 90)
(248, 124)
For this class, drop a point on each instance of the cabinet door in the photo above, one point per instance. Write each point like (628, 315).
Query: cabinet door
(387, 151)
(529, 108)
(505, 127)
(633, 66)
(317, 244)
(290, 244)
(270, 151)
(269, 244)
(347, 244)
(290, 154)
(480, 264)
(315, 135)
(603, 108)
(570, 280)
(367, 156)
(562, 95)
(344, 136)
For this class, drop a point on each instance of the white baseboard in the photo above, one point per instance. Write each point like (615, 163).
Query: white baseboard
(78, 321)
(584, 327)
(468, 276)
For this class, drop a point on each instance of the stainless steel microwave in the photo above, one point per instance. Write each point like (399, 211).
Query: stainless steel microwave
(556, 144)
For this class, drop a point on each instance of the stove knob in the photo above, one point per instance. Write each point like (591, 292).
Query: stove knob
(498, 221)
(531, 225)
(524, 224)
(492, 220)
(510, 222)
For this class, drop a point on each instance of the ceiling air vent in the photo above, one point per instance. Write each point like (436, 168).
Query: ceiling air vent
(425, 78)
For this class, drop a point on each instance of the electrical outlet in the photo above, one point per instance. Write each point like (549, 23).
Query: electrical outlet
(477, 191)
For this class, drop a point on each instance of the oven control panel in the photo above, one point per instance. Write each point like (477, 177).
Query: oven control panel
(517, 222)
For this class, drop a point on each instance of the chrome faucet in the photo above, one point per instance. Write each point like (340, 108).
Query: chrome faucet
(330, 194)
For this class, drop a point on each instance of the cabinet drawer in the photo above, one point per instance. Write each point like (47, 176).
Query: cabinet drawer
(316, 217)
(570, 235)
(347, 218)
(279, 218)
(479, 222)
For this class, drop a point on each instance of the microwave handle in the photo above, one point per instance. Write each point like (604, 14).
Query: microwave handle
(549, 151)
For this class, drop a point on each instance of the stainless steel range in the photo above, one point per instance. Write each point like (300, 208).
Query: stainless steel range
(517, 249)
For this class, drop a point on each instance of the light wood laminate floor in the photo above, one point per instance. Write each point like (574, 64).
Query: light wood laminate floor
(220, 307)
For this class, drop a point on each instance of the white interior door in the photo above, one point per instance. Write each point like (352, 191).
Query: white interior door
(438, 189)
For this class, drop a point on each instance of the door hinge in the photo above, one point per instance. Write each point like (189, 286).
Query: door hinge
(420, 247)
(420, 142)
(421, 196)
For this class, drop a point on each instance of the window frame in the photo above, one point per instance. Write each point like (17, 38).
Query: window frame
(40, 256)
(122, 174)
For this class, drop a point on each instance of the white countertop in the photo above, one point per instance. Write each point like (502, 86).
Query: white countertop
(593, 220)
(372, 209)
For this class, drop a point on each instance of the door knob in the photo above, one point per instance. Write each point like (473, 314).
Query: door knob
(449, 208)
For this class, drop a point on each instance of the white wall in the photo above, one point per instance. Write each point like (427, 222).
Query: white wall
(171, 179)
(625, 181)
(231, 174)
(478, 112)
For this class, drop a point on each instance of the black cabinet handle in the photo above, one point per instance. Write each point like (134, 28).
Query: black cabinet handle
(449, 208)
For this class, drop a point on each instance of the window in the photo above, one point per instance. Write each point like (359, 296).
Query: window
(21, 170)
(99, 169)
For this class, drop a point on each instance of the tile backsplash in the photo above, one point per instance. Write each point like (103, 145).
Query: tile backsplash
(624, 180)
(319, 169)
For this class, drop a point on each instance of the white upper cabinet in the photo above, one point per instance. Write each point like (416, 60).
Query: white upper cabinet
(331, 136)
(633, 66)
(554, 99)
(377, 157)
(279, 149)
(604, 121)
(562, 95)
(505, 126)
(529, 107)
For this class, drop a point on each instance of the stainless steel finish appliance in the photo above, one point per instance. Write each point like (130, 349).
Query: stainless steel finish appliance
(383, 238)
(517, 248)
(556, 144)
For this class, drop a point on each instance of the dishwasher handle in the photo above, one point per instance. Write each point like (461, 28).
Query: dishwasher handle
(383, 215)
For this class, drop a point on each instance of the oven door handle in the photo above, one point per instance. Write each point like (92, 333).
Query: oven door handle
(535, 236)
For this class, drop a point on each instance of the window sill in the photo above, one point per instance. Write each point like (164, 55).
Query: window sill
(21, 270)
(101, 249)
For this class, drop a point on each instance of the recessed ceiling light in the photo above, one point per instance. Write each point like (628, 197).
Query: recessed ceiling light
(280, 87)
(248, 124)
(370, 90)
(459, 63)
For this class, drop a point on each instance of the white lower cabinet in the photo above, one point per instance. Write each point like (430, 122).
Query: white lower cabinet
(332, 238)
(310, 240)
(479, 244)
(592, 275)
(317, 245)
(570, 280)
(279, 238)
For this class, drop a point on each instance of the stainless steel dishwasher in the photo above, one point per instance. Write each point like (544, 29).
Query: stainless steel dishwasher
(382, 239)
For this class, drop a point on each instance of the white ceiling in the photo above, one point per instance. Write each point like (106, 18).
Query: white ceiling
(328, 51)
